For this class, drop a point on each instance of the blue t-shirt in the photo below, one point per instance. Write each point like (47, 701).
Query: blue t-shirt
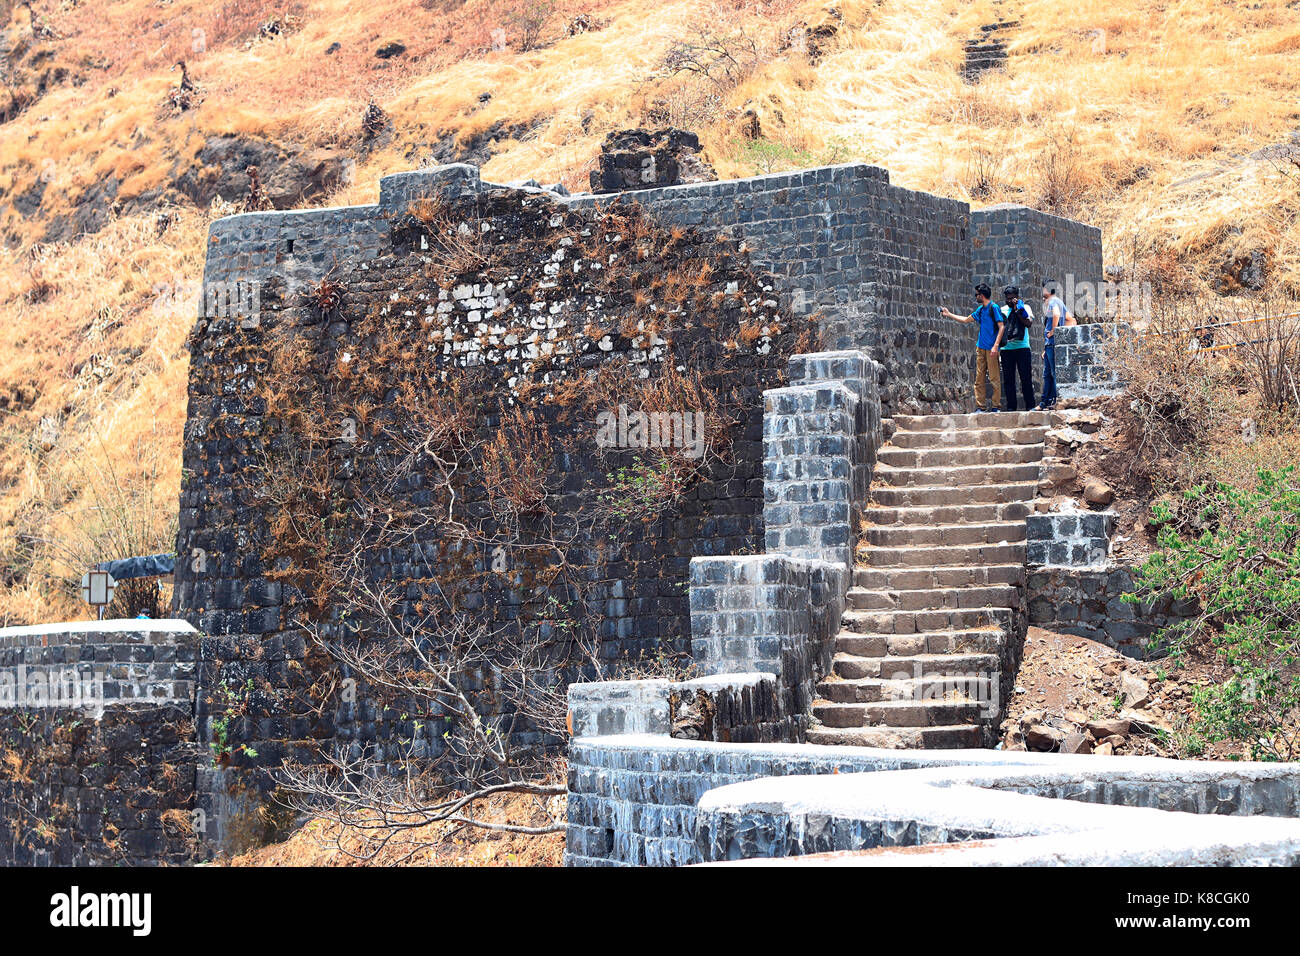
(989, 317)
(1023, 341)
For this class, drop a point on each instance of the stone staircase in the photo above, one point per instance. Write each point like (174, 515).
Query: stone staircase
(934, 621)
(988, 51)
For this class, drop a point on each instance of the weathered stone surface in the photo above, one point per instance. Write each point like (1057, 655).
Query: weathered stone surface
(1076, 743)
(644, 159)
(1135, 690)
(1043, 737)
(871, 257)
(1088, 602)
(1113, 726)
(659, 802)
(289, 177)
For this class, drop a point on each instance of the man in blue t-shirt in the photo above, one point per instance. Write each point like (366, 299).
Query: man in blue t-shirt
(989, 317)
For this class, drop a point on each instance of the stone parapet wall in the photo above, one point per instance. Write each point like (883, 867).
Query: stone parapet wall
(97, 746)
(726, 707)
(107, 662)
(874, 259)
(656, 801)
(1070, 539)
(1089, 602)
(1080, 810)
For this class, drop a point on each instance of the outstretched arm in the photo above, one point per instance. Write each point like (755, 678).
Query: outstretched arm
(953, 315)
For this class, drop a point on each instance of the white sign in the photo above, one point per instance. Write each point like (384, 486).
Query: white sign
(97, 588)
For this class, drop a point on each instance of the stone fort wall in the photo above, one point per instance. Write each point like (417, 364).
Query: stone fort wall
(1017, 245)
(870, 260)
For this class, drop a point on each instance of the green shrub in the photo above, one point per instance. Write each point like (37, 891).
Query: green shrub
(1244, 570)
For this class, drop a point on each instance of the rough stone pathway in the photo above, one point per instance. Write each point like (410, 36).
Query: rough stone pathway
(927, 642)
(988, 51)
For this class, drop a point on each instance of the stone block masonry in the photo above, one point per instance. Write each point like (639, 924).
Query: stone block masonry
(97, 750)
(874, 259)
(1085, 367)
(1016, 245)
(656, 801)
(526, 314)
(1070, 539)
(531, 293)
(771, 619)
(1089, 602)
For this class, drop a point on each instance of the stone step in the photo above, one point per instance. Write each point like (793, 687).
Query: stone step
(983, 640)
(960, 455)
(948, 514)
(954, 737)
(899, 536)
(930, 423)
(941, 556)
(930, 599)
(918, 622)
(974, 437)
(892, 667)
(941, 577)
(944, 495)
(957, 476)
(938, 688)
(898, 713)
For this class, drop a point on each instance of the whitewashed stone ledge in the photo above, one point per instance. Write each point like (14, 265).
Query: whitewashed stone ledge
(93, 665)
(659, 801)
(728, 707)
(1112, 811)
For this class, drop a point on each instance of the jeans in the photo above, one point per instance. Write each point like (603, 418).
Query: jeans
(1049, 375)
(1017, 362)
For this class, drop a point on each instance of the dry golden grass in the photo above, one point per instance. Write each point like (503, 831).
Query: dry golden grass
(1153, 133)
(438, 844)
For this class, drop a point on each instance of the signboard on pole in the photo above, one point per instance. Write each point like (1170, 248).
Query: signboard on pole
(97, 588)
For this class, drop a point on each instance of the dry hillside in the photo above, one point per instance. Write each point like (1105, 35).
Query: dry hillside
(1167, 123)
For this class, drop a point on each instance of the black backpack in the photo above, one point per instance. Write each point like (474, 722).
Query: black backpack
(1015, 324)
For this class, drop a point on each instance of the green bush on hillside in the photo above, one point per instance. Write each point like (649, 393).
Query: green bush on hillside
(1245, 573)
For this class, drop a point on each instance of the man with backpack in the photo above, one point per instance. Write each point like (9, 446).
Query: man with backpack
(1055, 315)
(987, 373)
(1014, 353)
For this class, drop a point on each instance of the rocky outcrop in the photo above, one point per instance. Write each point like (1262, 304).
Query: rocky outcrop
(288, 178)
(644, 159)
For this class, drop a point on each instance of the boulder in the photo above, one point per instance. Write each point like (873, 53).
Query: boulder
(1097, 493)
(307, 175)
(1135, 690)
(1138, 724)
(1076, 744)
(645, 159)
(1110, 727)
(1043, 737)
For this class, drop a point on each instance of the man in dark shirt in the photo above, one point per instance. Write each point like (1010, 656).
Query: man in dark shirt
(1015, 355)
